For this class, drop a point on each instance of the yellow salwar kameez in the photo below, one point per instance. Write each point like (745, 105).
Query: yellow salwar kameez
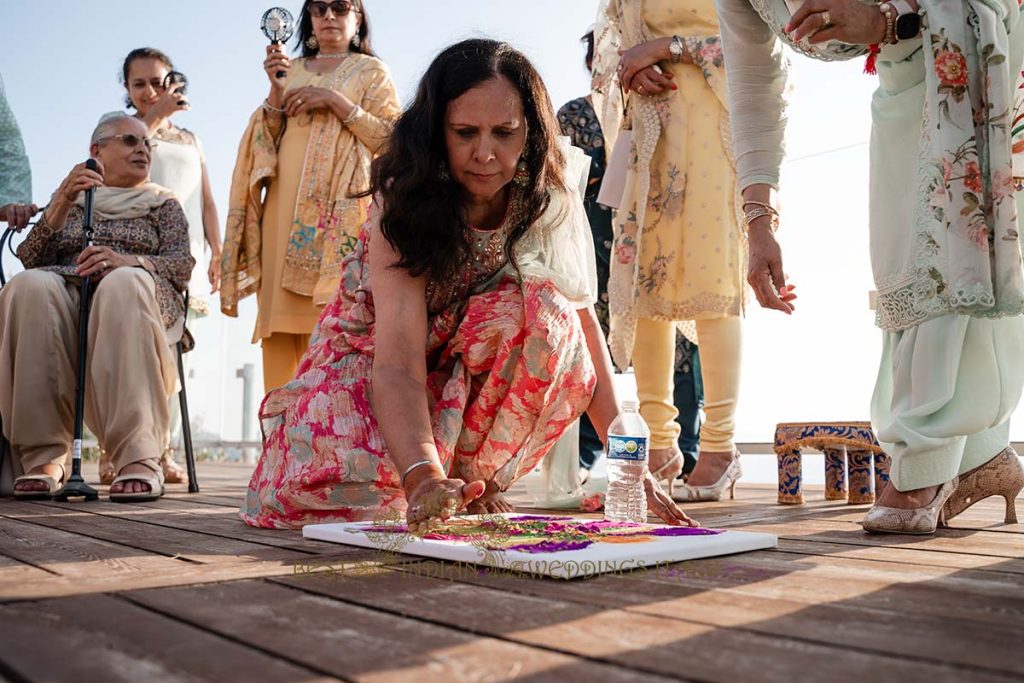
(288, 248)
(679, 257)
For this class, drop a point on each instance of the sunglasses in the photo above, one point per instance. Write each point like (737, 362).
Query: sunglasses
(131, 140)
(339, 8)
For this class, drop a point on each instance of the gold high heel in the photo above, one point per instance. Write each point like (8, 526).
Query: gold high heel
(914, 521)
(668, 470)
(1003, 476)
(713, 492)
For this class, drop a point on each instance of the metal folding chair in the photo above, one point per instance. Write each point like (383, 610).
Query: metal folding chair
(7, 244)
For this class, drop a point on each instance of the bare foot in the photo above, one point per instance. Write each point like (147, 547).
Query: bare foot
(132, 485)
(710, 468)
(55, 471)
(492, 502)
(906, 500)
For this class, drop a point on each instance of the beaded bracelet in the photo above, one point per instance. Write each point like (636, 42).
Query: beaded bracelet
(269, 107)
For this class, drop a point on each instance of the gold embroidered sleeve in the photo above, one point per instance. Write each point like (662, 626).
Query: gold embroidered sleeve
(377, 110)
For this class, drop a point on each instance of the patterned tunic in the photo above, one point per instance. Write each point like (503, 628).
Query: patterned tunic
(579, 122)
(161, 237)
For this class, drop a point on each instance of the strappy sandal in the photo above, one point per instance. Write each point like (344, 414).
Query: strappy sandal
(107, 471)
(155, 480)
(53, 485)
(173, 472)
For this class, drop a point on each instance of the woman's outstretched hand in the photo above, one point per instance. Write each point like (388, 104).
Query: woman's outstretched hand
(660, 504)
(436, 499)
(765, 273)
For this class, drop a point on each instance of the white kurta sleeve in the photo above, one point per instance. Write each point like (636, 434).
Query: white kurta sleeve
(756, 70)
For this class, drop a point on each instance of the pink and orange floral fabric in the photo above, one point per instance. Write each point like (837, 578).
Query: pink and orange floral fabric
(508, 372)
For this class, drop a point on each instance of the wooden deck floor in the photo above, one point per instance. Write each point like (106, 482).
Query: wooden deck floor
(180, 589)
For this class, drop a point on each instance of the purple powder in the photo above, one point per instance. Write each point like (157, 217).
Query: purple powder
(675, 531)
(550, 546)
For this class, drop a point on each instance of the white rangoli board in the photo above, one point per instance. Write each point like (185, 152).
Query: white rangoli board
(597, 558)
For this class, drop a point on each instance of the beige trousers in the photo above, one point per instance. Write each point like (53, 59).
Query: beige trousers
(129, 377)
(653, 363)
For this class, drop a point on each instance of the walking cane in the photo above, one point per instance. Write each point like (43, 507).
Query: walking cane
(76, 486)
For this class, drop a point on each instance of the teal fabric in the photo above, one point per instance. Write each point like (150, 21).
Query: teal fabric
(15, 173)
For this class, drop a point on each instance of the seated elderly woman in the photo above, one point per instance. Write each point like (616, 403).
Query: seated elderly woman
(140, 263)
(462, 341)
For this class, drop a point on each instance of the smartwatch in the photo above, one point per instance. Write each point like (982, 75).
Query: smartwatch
(908, 22)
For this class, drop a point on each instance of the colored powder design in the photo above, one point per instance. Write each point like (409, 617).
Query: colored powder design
(538, 534)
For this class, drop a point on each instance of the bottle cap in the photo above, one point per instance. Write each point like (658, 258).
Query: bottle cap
(631, 406)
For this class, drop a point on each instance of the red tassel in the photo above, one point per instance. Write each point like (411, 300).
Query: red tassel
(869, 65)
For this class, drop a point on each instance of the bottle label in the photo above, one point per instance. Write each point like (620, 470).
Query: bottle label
(627, 447)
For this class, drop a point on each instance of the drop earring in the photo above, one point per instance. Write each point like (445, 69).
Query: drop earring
(442, 172)
(356, 41)
(522, 176)
(312, 43)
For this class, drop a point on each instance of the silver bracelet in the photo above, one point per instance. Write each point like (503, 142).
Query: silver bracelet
(356, 112)
(269, 107)
(410, 468)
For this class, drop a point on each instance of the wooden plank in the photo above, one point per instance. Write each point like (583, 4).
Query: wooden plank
(93, 579)
(14, 572)
(137, 527)
(360, 644)
(908, 556)
(223, 522)
(982, 543)
(651, 643)
(74, 556)
(208, 519)
(101, 638)
(866, 605)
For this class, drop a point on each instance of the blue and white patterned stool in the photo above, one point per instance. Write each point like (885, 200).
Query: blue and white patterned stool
(845, 444)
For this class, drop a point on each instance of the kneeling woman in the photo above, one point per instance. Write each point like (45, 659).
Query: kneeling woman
(462, 341)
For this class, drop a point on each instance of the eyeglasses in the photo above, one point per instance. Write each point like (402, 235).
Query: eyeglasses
(131, 140)
(339, 8)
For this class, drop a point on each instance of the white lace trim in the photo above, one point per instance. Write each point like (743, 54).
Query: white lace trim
(776, 15)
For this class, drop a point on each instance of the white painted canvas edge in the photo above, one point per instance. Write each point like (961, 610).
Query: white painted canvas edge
(598, 558)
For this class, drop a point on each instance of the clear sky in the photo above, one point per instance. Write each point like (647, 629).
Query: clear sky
(61, 71)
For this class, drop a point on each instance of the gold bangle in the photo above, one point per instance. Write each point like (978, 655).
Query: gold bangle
(761, 212)
(753, 202)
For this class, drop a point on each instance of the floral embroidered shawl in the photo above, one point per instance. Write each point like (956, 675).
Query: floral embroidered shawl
(969, 256)
(327, 212)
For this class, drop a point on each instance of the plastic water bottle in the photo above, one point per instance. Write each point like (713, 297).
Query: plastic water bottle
(627, 465)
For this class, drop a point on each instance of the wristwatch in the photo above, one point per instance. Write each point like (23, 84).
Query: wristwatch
(908, 22)
(675, 49)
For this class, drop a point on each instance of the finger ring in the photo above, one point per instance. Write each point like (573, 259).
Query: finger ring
(826, 19)
(641, 90)
(298, 101)
(105, 266)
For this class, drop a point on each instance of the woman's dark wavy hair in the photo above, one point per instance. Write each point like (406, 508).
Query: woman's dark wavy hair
(141, 53)
(306, 30)
(422, 213)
